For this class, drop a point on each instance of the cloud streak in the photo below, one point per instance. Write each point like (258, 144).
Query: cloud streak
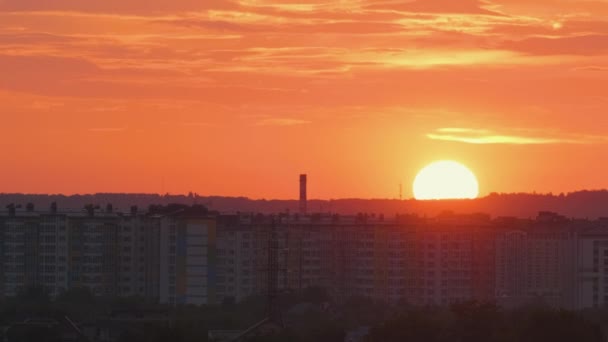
(115, 6)
(437, 6)
(489, 137)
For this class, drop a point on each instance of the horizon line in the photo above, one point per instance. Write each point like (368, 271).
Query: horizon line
(491, 194)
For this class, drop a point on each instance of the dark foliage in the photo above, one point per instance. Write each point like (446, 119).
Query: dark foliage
(471, 322)
(311, 316)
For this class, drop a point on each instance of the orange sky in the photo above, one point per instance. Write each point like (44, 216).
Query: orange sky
(238, 97)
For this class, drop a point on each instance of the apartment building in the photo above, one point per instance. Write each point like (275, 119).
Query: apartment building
(188, 273)
(450, 260)
(592, 267)
(536, 261)
(242, 256)
(422, 262)
(111, 254)
(34, 252)
(139, 255)
(185, 255)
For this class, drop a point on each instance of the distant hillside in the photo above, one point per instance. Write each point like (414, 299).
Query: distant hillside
(582, 204)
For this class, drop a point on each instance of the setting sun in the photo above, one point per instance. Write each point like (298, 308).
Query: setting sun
(445, 180)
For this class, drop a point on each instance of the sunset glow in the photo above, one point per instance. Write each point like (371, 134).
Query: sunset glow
(445, 180)
(238, 97)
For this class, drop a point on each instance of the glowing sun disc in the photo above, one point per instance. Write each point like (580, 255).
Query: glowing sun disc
(445, 179)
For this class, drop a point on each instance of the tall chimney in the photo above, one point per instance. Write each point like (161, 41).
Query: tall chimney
(303, 195)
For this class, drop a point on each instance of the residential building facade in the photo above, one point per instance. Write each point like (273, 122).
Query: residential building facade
(185, 255)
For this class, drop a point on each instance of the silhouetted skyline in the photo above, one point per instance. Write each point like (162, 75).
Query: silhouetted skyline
(582, 204)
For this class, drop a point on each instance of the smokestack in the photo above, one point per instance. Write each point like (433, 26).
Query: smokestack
(303, 194)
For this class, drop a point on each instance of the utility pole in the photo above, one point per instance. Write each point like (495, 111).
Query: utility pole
(273, 319)
(273, 307)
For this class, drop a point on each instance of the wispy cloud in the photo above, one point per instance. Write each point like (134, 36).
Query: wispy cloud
(108, 109)
(485, 136)
(462, 130)
(282, 122)
(116, 6)
(591, 68)
(44, 105)
(438, 6)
